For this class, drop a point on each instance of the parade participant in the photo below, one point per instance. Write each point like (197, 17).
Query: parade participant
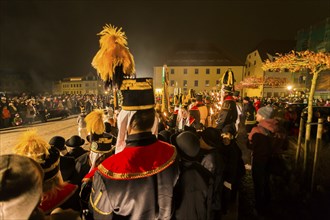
(56, 192)
(138, 182)
(184, 118)
(228, 112)
(82, 123)
(132, 91)
(21, 183)
(101, 142)
(202, 109)
(67, 163)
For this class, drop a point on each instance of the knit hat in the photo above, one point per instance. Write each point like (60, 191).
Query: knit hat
(20, 186)
(57, 142)
(267, 112)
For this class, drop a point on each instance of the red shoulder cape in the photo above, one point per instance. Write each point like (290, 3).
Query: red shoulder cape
(63, 194)
(138, 161)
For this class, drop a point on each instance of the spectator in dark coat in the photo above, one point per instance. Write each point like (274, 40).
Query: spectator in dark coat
(212, 160)
(74, 146)
(194, 189)
(260, 141)
(234, 169)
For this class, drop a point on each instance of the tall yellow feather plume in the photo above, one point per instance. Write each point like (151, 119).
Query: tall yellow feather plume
(113, 52)
(94, 122)
(33, 146)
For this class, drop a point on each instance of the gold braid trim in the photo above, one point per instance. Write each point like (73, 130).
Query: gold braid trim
(140, 107)
(128, 176)
(95, 204)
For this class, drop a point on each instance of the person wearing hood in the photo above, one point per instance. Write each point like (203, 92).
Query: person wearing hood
(260, 139)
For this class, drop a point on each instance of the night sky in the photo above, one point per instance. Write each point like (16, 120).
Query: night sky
(58, 39)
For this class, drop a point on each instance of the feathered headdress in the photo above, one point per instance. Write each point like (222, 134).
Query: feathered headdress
(114, 59)
(94, 122)
(33, 146)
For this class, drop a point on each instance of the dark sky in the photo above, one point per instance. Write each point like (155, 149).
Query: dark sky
(58, 38)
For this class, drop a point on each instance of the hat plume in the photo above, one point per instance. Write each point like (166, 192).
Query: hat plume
(94, 122)
(113, 53)
(33, 146)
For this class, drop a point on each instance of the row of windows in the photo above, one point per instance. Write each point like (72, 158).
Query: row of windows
(71, 85)
(72, 92)
(196, 83)
(76, 85)
(196, 71)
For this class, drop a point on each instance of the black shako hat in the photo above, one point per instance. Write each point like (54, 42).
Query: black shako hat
(138, 94)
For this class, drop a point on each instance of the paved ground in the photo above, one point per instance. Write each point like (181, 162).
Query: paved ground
(63, 127)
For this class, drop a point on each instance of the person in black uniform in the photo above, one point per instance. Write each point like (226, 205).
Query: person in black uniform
(228, 112)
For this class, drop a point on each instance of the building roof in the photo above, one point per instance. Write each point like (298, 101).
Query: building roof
(274, 46)
(197, 54)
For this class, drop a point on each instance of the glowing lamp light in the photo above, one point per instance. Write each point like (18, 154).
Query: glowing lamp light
(289, 87)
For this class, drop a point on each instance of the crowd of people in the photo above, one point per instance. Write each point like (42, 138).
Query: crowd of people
(140, 161)
(24, 109)
(184, 163)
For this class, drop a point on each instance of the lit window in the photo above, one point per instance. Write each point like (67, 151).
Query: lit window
(172, 83)
(207, 82)
(185, 83)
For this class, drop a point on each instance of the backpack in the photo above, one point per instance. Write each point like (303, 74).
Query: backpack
(193, 192)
